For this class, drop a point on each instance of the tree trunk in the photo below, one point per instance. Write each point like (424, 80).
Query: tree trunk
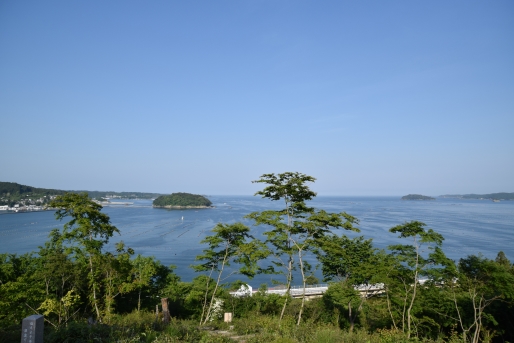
(93, 284)
(413, 291)
(389, 307)
(206, 295)
(165, 310)
(350, 315)
(303, 280)
(217, 284)
(139, 301)
(288, 289)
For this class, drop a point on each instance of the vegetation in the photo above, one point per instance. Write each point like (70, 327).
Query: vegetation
(416, 197)
(12, 193)
(89, 295)
(294, 230)
(491, 196)
(182, 200)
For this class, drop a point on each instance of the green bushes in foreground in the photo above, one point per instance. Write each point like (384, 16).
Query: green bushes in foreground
(142, 327)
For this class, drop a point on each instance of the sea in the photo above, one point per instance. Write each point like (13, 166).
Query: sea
(469, 227)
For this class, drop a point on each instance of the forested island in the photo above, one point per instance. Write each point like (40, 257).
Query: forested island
(182, 200)
(409, 292)
(417, 197)
(490, 196)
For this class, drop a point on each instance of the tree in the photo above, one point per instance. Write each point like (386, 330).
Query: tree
(480, 283)
(116, 275)
(294, 229)
(352, 262)
(86, 233)
(412, 263)
(20, 289)
(143, 270)
(228, 244)
(62, 279)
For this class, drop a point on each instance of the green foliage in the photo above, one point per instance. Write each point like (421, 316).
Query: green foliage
(228, 244)
(295, 230)
(182, 200)
(21, 291)
(343, 258)
(416, 197)
(85, 235)
(12, 193)
(72, 278)
(491, 196)
(14, 190)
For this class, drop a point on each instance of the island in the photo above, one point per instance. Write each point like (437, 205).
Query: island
(417, 197)
(182, 200)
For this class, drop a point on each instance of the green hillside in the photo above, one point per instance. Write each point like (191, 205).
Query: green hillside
(417, 197)
(182, 200)
(490, 196)
(12, 193)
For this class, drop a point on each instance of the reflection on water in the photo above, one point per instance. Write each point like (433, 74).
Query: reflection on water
(173, 236)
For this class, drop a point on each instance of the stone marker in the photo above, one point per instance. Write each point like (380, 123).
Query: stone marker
(32, 329)
(228, 317)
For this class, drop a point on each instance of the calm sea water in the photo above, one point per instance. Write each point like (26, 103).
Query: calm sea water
(173, 236)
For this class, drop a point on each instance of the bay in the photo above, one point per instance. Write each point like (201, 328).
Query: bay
(173, 236)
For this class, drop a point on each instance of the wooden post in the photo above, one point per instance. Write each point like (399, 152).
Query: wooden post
(157, 312)
(32, 329)
(165, 311)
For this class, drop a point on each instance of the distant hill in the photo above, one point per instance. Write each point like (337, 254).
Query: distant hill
(12, 191)
(491, 196)
(182, 200)
(417, 197)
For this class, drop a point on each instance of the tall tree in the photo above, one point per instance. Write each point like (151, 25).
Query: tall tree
(116, 276)
(294, 229)
(229, 244)
(412, 263)
(86, 233)
(143, 270)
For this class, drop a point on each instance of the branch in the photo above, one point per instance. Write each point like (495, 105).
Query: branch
(40, 314)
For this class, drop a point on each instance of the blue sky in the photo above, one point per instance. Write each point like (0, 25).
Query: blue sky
(369, 97)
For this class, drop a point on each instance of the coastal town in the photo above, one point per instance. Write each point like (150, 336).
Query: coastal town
(26, 205)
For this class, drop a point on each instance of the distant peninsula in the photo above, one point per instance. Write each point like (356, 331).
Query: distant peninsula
(491, 196)
(15, 197)
(182, 200)
(417, 197)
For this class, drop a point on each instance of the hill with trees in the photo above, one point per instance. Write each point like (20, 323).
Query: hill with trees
(182, 200)
(12, 193)
(417, 197)
(490, 196)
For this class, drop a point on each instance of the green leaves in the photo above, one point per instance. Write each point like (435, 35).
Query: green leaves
(288, 186)
(343, 258)
(182, 200)
(88, 226)
(86, 233)
(226, 244)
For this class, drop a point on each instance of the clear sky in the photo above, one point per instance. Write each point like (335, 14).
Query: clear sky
(369, 97)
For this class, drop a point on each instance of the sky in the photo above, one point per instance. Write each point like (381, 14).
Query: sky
(368, 97)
